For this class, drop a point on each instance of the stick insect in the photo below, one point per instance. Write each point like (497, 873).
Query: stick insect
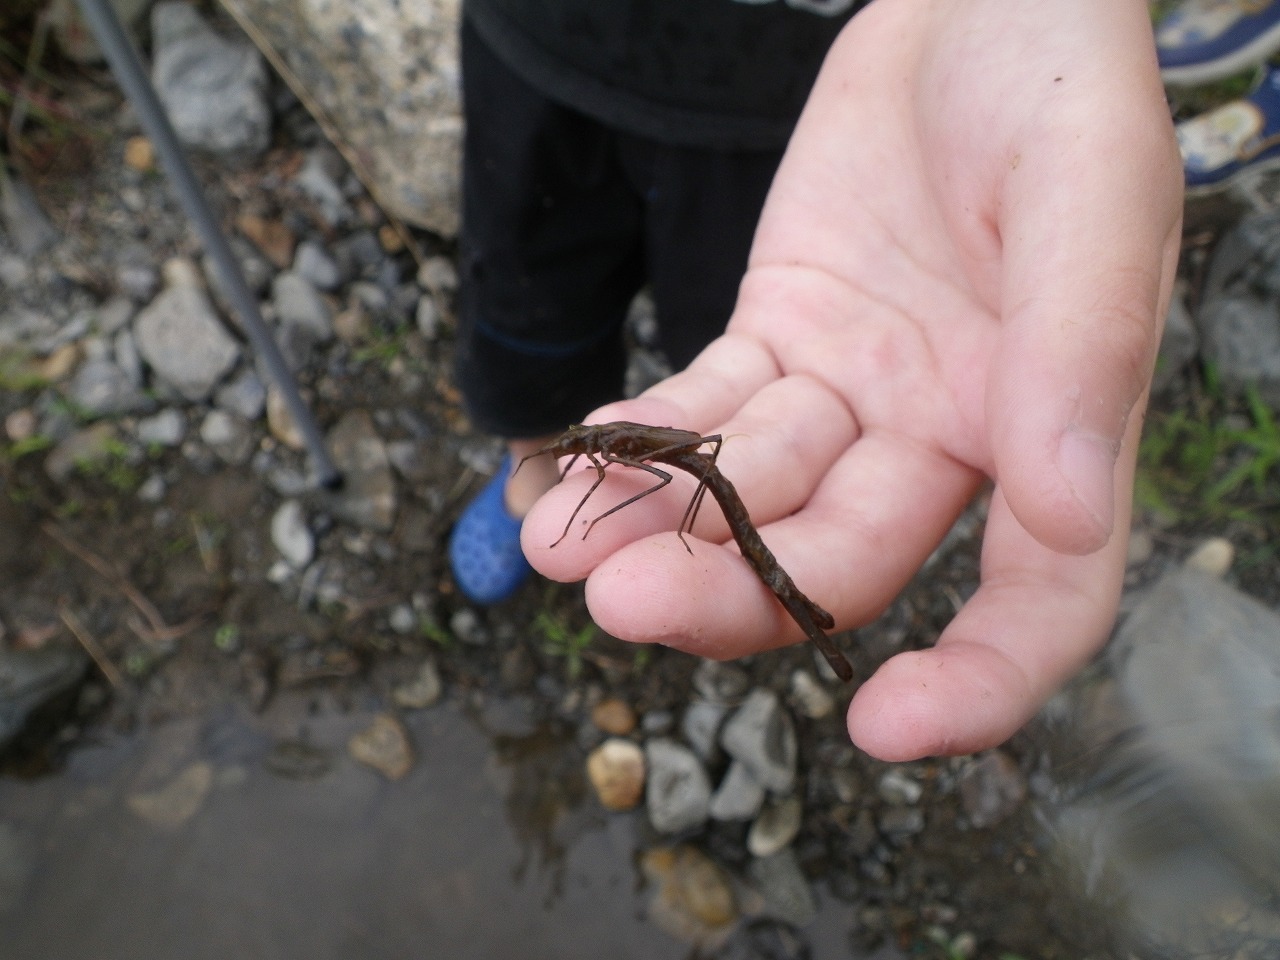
(641, 446)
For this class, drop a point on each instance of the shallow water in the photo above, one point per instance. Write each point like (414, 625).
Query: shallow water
(487, 848)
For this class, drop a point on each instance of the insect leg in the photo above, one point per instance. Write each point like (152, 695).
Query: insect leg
(581, 503)
(663, 479)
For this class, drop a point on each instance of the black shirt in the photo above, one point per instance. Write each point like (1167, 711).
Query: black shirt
(709, 73)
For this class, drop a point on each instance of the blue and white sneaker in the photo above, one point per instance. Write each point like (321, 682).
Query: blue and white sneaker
(1239, 137)
(1204, 40)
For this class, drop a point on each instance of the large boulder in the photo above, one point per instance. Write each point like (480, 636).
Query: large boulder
(386, 78)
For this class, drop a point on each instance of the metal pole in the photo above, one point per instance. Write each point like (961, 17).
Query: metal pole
(127, 66)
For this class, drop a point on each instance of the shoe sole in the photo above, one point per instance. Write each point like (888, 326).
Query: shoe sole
(1221, 186)
(1251, 54)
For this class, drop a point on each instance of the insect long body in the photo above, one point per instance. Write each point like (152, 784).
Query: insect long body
(640, 445)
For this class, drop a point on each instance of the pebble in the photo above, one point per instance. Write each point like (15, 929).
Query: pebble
(1213, 557)
(101, 388)
(783, 886)
(722, 683)
(991, 788)
(700, 726)
(898, 787)
(438, 275)
(313, 264)
(424, 690)
(20, 424)
(775, 828)
(810, 697)
(465, 625)
(180, 336)
(383, 745)
(213, 89)
(291, 534)
(761, 735)
(244, 395)
(300, 307)
(739, 797)
(173, 804)
(163, 429)
(367, 498)
(139, 154)
(616, 769)
(694, 899)
(427, 317)
(280, 421)
(403, 619)
(230, 437)
(678, 792)
(614, 716)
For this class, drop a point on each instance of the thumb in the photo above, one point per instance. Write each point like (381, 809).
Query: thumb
(1085, 288)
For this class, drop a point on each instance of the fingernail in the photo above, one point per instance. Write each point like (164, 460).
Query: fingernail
(1087, 462)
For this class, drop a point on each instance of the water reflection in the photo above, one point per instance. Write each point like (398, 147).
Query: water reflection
(476, 853)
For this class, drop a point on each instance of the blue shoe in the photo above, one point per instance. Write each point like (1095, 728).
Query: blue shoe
(1204, 40)
(1236, 138)
(484, 550)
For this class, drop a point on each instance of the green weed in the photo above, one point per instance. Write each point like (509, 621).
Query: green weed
(1216, 462)
(558, 640)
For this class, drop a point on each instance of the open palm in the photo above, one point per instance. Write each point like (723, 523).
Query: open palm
(957, 278)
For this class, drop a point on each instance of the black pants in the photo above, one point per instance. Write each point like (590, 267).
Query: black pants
(563, 221)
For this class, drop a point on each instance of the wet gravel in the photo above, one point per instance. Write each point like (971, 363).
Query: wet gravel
(161, 516)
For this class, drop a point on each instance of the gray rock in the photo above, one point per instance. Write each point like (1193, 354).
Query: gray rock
(22, 218)
(244, 395)
(313, 264)
(411, 459)
(229, 436)
(213, 89)
(300, 306)
(100, 388)
(776, 827)
(292, 535)
(255, 270)
(164, 429)
(368, 495)
(991, 788)
(1242, 337)
(427, 317)
(762, 736)
(182, 340)
(721, 682)
(678, 792)
(466, 626)
(438, 276)
(783, 887)
(318, 180)
(387, 77)
(138, 281)
(124, 347)
(739, 797)
(700, 727)
(899, 787)
(1199, 667)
